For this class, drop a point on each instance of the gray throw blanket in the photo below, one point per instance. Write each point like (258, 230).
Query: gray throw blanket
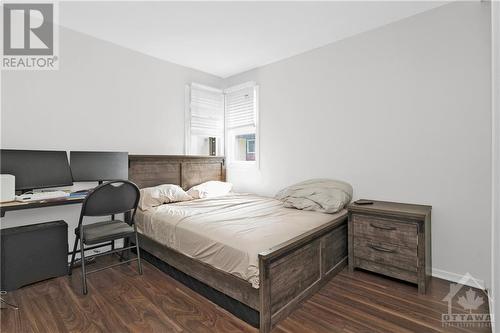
(321, 195)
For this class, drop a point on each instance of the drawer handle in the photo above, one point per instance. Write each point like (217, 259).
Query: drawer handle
(382, 227)
(381, 249)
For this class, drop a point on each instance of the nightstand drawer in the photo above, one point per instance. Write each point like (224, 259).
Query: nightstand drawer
(386, 254)
(392, 271)
(385, 230)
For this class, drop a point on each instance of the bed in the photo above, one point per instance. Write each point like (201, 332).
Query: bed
(245, 246)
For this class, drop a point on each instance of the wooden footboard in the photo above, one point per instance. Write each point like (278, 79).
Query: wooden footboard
(293, 271)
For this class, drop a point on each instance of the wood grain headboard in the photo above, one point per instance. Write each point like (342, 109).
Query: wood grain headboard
(185, 171)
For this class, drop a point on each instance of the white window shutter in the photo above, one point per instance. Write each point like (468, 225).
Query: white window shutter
(207, 111)
(240, 108)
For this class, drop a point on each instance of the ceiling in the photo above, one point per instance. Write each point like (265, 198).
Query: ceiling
(227, 38)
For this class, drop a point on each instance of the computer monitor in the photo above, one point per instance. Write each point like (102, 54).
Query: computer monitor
(35, 169)
(98, 165)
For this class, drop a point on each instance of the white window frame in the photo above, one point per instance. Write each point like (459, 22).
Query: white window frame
(187, 119)
(229, 144)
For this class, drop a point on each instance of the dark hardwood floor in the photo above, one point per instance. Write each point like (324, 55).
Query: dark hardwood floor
(120, 300)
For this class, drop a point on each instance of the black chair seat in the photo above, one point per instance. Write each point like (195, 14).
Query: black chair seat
(105, 231)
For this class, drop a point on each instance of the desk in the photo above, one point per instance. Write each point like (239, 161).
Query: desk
(15, 205)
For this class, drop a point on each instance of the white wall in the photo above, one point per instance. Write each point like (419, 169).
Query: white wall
(103, 97)
(402, 113)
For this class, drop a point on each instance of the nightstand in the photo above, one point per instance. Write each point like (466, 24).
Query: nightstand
(393, 239)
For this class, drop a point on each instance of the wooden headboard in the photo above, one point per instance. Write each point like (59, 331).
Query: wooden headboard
(185, 171)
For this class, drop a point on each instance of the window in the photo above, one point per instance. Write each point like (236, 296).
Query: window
(241, 108)
(219, 122)
(204, 120)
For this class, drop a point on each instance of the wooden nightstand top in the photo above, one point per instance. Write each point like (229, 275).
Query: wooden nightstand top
(392, 208)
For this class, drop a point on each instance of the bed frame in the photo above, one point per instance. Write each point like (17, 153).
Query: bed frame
(289, 272)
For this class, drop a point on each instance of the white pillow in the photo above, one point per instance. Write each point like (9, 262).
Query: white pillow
(210, 189)
(161, 194)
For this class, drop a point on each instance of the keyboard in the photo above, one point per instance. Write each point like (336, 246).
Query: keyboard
(41, 196)
(80, 193)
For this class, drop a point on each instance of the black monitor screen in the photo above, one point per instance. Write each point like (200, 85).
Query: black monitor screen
(98, 165)
(36, 168)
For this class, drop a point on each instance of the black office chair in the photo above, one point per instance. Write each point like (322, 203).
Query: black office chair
(110, 198)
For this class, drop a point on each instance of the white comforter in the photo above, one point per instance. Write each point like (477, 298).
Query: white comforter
(228, 232)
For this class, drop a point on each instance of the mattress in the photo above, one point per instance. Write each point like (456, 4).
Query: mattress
(228, 232)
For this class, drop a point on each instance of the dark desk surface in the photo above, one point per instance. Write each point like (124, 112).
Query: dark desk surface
(15, 205)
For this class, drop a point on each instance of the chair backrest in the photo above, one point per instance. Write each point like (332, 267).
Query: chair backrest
(114, 197)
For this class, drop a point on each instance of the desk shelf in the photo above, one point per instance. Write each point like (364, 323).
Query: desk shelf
(15, 205)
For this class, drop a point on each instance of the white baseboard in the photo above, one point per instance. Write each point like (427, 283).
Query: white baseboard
(454, 277)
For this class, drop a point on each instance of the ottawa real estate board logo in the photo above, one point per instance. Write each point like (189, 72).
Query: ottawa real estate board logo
(30, 36)
(468, 305)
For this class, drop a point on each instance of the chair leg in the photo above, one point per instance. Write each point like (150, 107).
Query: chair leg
(138, 254)
(84, 275)
(121, 252)
(127, 252)
(70, 271)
